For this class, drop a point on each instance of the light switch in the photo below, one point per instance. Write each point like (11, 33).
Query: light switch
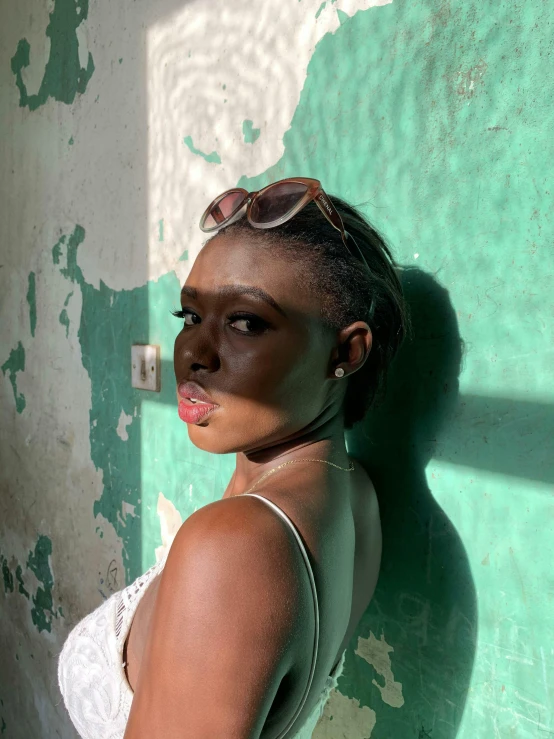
(145, 367)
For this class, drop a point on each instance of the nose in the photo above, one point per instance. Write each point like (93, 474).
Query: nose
(195, 352)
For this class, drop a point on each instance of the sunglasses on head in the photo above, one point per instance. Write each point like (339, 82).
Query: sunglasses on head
(276, 204)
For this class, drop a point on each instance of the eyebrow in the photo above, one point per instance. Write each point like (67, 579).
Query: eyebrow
(236, 290)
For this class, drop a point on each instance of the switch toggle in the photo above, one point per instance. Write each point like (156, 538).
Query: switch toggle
(145, 367)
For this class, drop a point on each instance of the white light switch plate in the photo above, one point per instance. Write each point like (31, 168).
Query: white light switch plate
(145, 367)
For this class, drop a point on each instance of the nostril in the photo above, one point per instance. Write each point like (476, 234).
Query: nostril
(196, 366)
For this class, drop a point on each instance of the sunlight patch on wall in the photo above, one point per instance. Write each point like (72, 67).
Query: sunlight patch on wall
(203, 87)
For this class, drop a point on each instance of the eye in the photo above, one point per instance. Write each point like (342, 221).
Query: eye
(190, 317)
(248, 324)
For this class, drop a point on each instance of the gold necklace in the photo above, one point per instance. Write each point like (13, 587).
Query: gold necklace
(295, 461)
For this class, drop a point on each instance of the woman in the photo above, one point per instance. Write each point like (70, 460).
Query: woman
(291, 315)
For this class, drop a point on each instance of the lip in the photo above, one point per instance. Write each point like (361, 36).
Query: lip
(190, 412)
(188, 390)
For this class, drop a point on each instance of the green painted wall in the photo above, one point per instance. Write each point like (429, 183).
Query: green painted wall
(436, 119)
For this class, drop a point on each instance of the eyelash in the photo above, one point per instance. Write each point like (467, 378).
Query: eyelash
(261, 325)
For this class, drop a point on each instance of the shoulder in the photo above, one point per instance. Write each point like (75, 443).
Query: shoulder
(233, 603)
(234, 531)
(241, 546)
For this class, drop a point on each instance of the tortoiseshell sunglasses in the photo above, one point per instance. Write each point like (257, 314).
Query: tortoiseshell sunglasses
(274, 205)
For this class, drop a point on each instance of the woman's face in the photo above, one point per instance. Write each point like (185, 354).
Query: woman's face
(253, 345)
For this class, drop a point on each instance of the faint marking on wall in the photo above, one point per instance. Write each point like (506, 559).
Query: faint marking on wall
(344, 718)
(170, 523)
(124, 421)
(15, 363)
(376, 652)
(64, 76)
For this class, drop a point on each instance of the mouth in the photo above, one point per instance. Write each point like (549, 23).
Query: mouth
(195, 404)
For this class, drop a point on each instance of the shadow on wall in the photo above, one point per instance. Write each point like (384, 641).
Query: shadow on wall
(425, 602)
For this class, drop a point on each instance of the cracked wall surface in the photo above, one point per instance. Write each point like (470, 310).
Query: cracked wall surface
(120, 123)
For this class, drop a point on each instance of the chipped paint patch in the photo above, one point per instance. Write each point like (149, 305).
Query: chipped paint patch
(7, 575)
(344, 717)
(212, 158)
(63, 75)
(21, 585)
(63, 318)
(250, 133)
(38, 562)
(105, 358)
(32, 302)
(57, 250)
(124, 421)
(376, 652)
(14, 364)
(170, 523)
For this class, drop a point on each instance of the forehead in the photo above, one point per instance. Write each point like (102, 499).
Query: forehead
(234, 261)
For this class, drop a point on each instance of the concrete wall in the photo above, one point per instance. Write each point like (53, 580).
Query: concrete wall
(119, 122)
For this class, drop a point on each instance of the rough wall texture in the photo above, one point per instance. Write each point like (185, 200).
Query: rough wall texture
(119, 122)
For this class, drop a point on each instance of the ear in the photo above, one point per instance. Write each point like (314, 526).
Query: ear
(353, 346)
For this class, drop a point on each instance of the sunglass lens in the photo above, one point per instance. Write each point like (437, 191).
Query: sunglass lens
(276, 202)
(223, 209)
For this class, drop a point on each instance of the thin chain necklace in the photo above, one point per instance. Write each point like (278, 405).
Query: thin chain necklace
(295, 461)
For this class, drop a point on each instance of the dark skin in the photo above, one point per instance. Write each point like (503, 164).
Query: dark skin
(221, 642)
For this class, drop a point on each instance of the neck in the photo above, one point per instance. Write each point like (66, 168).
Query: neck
(321, 440)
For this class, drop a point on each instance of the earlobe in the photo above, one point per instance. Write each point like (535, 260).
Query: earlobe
(354, 346)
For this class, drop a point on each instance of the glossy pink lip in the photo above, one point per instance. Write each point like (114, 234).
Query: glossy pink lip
(189, 390)
(191, 412)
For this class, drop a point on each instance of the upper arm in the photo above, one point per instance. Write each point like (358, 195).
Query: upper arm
(231, 606)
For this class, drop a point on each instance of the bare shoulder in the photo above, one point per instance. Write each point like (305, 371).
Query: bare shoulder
(232, 605)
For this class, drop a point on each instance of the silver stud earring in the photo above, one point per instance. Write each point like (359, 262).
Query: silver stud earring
(339, 372)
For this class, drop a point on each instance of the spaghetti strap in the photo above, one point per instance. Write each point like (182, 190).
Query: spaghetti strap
(294, 530)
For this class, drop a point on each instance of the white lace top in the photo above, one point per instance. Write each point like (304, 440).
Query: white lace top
(91, 673)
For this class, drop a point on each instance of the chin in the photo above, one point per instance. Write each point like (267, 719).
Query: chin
(210, 439)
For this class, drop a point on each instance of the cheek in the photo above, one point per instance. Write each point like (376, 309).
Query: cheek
(270, 398)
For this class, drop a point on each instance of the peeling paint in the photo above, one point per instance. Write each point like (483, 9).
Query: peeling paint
(6, 575)
(250, 134)
(64, 320)
(344, 717)
(105, 355)
(14, 364)
(170, 523)
(320, 9)
(38, 562)
(32, 302)
(57, 250)
(212, 158)
(21, 584)
(376, 652)
(124, 421)
(63, 76)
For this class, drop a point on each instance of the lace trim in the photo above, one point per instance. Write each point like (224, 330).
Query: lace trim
(128, 600)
